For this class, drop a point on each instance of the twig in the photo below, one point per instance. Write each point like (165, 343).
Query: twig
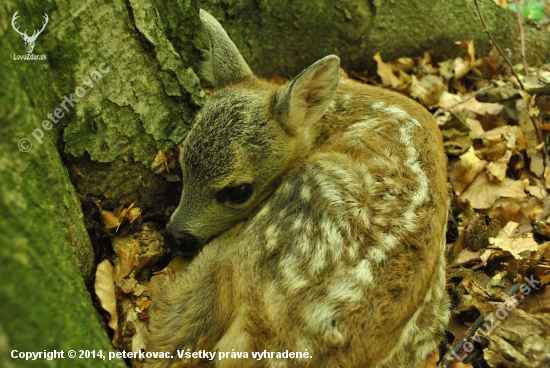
(469, 335)
(520, 23)
(439, 112)
(486, 30)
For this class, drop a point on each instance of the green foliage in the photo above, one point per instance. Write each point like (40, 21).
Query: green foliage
(531, 9)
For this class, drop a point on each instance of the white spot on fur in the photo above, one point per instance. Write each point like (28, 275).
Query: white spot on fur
(378, 105)
(344, 292)
(389, 241)
(363, 272)
(293, 279)
(319, 316)
(297, 224)
(305, 193)
(364, 124)
(396, 111)
(318, 259)
(271, 236)
(376, 254)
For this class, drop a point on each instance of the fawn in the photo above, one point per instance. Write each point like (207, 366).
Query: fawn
(322, 209)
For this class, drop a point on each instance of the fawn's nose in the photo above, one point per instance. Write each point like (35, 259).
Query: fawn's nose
(182, 242)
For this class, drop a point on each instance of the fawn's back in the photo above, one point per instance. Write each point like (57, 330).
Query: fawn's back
(323, 205)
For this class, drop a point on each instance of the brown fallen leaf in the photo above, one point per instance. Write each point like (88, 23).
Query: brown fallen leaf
(126, 260)
(466, 170)
(427, 90)
(384, 71)
(498, 168)
(547, 177)
(105, 290)
(464, 65)
(465, 257)
(405, 64)
(507, 239)
(127, 285)
(109, 220)
(133, 214)
(505, 210)
(482, 108)
(519, 341)
(123, 214)
(483, 192)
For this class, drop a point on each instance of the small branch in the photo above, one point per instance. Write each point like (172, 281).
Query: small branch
(469, 335)
(494, 42)
(520, 23)
(481, 90)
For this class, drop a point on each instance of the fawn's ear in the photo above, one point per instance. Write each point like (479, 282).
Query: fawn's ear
(225, 65)
(305, 99)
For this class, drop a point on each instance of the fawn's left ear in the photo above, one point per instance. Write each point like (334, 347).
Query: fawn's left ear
(306, 98)
(225, 64)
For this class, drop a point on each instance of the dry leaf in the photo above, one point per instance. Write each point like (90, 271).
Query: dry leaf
(482, 193)
(537, 163)
(127, 285)
(521, 340)
(126, 260)
(464, 65)
(495, 287)
(405, 64)
(133, 214)
(385, 72)
(144, 304)
(498, 168)
(476, 129)
(482, 108)
(448, 100)
(508, 239)
(139, 289)
(160, 162)
(428, 90)
(537, 192)
(466, 170)
(547, 177)
(466, 256)
(139, 340)
(109, 220)
(506, 210)
(105, 290)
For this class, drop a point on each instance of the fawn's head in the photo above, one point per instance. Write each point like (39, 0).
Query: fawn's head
(245, 137)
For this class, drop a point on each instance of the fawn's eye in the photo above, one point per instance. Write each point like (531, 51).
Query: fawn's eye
(238, 194)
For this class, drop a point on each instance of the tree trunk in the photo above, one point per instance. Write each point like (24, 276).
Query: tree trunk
(122, 77)
(45, 249)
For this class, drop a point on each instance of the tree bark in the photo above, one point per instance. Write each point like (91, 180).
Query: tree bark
(45, 249)
(123, 73)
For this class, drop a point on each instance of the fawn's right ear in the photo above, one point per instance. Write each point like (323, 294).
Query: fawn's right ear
(225, 64)
(305, 99)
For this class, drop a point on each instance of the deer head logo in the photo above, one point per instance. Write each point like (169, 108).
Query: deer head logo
(29, 40)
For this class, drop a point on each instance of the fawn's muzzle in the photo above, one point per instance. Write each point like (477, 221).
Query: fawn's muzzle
(182, 242)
